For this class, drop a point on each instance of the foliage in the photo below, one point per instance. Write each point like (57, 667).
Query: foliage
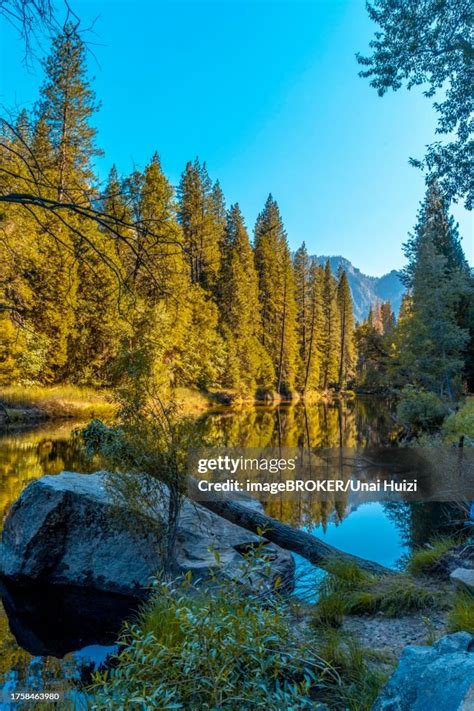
(218, 649)
(420, 411)
(173, 273)
(460, 424)
(424, 560)
(374, 340)
(346, 331)
(277, 295)
(429, 44)
(461, 616)
(59, 401)
(347, 590)
(147, 449)
(360, 679)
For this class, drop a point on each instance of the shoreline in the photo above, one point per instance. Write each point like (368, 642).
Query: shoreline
(23, 406)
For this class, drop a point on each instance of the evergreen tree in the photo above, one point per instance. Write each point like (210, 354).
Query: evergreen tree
(431, 351)
(302, 266)
(432, 340)
(240, 308)
(277, 295)
(387, 317)
(67, 104)
(437, 226)
(329, 343)
(312, 369)
(346, 330)
(202, 218)
(308, 300)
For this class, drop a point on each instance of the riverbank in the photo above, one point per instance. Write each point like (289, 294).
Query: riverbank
(23, 405)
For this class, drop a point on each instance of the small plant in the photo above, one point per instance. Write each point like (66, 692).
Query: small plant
(347, 590)
(424, 561)
(360, 680)
(220, 648)
(461, 616)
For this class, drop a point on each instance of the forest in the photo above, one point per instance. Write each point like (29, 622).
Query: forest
(87, 274)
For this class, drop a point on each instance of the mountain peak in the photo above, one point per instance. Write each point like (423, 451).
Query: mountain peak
(366, 290)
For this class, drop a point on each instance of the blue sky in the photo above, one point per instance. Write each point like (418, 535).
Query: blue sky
(266, 93)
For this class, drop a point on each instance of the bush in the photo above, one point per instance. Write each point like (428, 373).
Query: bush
(420, 411)
(425, 560)
(214, 649)
(460, 424)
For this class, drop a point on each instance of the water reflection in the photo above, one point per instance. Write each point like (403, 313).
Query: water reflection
(353, 424)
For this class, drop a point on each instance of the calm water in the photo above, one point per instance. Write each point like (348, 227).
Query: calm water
(34, 628)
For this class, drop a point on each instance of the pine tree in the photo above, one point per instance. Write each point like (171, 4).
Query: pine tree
(66, 105)
(312, 365)
(240, 308)
(432, 338)
(346, 331)
(277, 295)
(437, 226)
(329, 343)
(309, 318)
(302, 267)
(201, 215)
(388, 317)
(431, 351)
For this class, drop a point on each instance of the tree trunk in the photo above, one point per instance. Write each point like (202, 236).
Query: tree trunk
(313, 549)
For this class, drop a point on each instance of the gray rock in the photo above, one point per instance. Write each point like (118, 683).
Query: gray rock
(67, 530)
(463, 578)
(440, 677)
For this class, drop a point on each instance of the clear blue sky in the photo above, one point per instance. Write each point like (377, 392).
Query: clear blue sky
(266, 93)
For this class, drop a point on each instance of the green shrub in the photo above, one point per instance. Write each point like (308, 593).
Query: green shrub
(214, 649)
(424, 560)
(461, 616)
(460, 424)
(420, 411)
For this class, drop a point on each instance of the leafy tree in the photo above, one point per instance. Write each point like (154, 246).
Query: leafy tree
(428, 43)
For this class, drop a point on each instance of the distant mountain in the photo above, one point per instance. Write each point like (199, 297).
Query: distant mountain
(366, 290)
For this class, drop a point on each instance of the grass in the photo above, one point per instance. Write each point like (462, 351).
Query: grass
(424, 561)
(461, 616)
(360, 672)
(191, 401)
(347, 590)
(57, 401)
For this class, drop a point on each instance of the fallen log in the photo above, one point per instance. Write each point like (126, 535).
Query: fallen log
(304, 544)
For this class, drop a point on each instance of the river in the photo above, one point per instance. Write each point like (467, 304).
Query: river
(42, 637)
